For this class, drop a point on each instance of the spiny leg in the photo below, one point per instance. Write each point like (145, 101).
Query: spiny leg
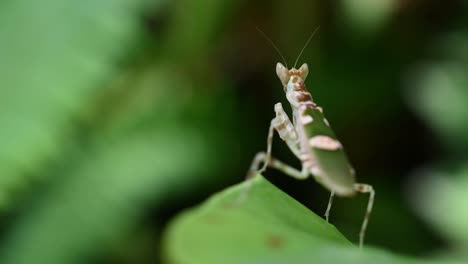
(288, 170)
(273, 163)
(262, 156)
(282, 124)
(330, 201)
(259, 158)
(365, 188)
(286, 131)
(285, 168)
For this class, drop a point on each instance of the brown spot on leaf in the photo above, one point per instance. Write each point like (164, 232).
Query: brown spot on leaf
(230, 205)
(212, 220)
(275, 242)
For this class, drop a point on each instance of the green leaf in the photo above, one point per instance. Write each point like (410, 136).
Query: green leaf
(55, 57)
(268, 227)
(100, 199)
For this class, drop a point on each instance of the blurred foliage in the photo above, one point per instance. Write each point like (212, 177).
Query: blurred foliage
(441, 99)
(54, 58)
(117, 114)
(94, 126)
(441, 91)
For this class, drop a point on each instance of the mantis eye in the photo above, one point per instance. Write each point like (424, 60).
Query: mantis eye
(283, 73)
(303, 71)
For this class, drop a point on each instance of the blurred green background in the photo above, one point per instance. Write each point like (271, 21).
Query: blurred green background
(116, 115)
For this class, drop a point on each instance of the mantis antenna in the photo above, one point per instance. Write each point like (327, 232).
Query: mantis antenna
(273, 45)
(307, 43)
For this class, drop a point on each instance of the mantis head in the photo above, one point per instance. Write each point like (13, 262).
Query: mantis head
(285, 74)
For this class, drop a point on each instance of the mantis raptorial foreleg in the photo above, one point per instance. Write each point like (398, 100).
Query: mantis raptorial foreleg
(365, 188)
(282, 124)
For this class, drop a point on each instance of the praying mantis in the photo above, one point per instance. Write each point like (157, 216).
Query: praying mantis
(311, 139)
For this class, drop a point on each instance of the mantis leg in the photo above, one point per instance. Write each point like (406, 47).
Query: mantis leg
(273, 163)
(281, 166)
(282, 124)
(330, 201)
(365, 188)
